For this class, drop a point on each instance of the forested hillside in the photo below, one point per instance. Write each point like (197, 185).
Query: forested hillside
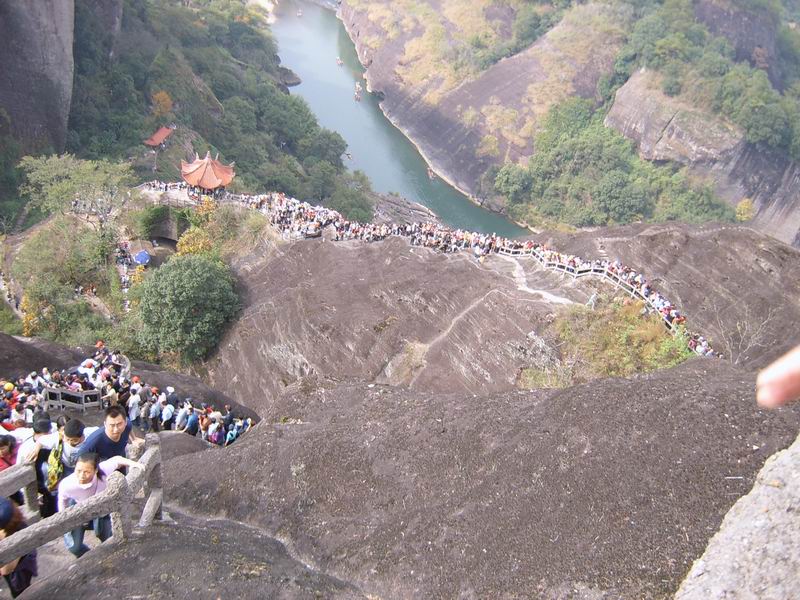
(212, 69)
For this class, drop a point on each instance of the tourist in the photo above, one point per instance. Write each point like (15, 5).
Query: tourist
(88, 480)
(133, 409)
(8, 452)
(155, 413)
(167, 413)
(112, 438)
(192, 423)
(18, 572)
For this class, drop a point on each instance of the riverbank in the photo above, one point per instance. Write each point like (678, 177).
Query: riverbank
(424, 152)
(310, 45)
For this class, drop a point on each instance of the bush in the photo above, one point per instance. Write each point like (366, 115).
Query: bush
(184, 306)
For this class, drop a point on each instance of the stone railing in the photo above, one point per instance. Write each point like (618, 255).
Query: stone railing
(63, 398)
(588, 271)
(116, 500)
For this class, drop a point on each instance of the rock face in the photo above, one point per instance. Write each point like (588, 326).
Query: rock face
(20, 356)
(750, 30)
(392, 313)
(757, 550)
(666, 130)
(605, 490)
(36, 79)
(464, 126)
(386, 311)
(109, 12)
(737, 286)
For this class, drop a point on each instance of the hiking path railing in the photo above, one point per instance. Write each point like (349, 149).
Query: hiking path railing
(584, 271)
(116, 500)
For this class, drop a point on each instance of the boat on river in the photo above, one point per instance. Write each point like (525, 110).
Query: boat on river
(431, 174)
(339, 61)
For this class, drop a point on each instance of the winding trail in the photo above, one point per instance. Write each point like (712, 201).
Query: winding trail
(522, 284)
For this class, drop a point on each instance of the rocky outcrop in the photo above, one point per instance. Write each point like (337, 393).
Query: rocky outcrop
(606, 490)
(664, 129)
(398, 314)
(36, 78)
(752, 31)
(462, 126)
(736, 285)
(757, 550)
(387, 312)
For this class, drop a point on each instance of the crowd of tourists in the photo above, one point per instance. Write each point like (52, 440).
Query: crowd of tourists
(71, 459)
(295, 218)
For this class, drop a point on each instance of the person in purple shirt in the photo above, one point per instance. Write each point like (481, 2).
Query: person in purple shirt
(88, 479)
(111, 439)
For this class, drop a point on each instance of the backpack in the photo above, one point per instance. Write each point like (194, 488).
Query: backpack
(55, 468)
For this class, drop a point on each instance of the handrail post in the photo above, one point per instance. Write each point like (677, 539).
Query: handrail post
(121, 522)
(154, 483)
(30, 494)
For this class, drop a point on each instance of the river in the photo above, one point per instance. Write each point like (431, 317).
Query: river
(309, 45)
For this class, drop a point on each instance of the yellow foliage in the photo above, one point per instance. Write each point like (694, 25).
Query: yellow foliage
(195, 240)
(489, 146)
(137, 276)
(206, 208)
(745, 211)
(162, 103)
(30, 316)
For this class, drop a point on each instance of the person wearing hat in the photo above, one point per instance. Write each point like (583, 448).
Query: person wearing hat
(19, 572)
(172, 397)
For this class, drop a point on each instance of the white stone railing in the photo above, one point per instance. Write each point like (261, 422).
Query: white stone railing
(586, 271)
(115, 500)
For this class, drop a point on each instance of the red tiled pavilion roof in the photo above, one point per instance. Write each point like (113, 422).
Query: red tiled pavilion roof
(207, 173)
(158, 137)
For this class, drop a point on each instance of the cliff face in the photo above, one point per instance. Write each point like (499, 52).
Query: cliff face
(665, 129)
(36, 79)
(751, 32)
(463, 126)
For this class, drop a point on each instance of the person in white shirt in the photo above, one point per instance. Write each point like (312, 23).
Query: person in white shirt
(134, 402)
(167, 412)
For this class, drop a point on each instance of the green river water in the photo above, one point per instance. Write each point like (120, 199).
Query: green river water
(309, 45)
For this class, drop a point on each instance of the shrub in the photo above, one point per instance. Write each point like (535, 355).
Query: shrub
(184, 306)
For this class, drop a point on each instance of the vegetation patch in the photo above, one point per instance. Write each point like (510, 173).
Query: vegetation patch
(584, 173)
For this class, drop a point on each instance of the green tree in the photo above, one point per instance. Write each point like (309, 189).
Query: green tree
(322, 180)
(53, 182)
(184, 306)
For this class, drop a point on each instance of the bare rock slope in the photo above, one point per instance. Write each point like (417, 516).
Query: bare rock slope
(388, 312)
(608, 490)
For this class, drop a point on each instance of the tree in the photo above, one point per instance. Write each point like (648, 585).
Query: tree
(162, 104)
(195, 240)
(321, 180)
(184, 306)
(53, 183)
(745, 210)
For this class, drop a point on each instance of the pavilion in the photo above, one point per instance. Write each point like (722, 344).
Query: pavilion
(207, 173)
(159, 137)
